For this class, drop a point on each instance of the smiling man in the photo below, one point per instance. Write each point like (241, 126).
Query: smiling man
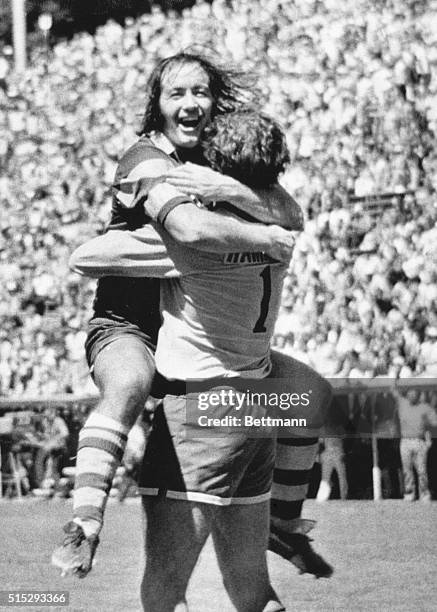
(186, 103)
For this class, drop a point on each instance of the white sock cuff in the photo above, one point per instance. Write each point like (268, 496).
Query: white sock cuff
(101, 420)
(90, 527)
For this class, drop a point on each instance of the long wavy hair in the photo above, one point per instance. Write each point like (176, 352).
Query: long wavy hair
(247, 145)
(230, 89)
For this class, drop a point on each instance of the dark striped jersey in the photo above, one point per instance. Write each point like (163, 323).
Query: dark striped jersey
(134, 300)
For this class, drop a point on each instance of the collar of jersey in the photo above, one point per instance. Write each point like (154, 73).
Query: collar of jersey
(161, 141)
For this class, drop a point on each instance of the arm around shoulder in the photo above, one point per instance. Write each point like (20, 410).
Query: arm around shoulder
(204, 230)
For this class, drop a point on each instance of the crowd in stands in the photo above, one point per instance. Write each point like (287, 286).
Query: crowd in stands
(355, 87)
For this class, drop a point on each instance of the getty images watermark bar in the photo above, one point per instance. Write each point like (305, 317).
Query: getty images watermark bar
(256, 407)
(361, 408)
(34, 598)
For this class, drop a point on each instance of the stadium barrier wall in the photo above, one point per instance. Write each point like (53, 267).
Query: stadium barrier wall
(341, 387)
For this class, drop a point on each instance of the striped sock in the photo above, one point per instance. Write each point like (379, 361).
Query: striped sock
(101, 447)
(294, 461)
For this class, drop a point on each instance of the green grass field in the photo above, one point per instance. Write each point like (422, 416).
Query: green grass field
(384, 554)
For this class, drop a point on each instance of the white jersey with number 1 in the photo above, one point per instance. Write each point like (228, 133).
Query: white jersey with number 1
(219, 316)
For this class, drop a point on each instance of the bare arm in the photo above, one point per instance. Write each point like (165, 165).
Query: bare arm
(139, 253)
(209, 231)
(274, 205)
(430, 417)
(204, 230)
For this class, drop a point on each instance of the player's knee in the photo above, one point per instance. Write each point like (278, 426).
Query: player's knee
(128, 387)
(124, 378)
(124, 394)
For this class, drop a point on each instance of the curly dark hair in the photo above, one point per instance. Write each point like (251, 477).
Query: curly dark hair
(247, 145)
(230, 88)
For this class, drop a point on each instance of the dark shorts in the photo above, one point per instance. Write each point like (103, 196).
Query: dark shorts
(123, 307)
(103, 331)
(181, 462)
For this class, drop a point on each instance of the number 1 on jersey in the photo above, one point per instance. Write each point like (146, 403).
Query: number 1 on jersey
(265, 300)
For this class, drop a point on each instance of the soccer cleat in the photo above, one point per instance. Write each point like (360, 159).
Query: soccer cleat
(296, 548)
(76, 554)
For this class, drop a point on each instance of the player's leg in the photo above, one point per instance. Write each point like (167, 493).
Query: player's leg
(241, 530)
(240, 534)
(420, 462)
(328, 466)
(342, 478)
(407, 469)
(176, 531)
(295, 457)
(123, 372)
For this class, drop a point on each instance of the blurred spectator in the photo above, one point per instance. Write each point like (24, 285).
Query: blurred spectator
(387, 429)
(416, 419)
(55, 443)
(332, 460)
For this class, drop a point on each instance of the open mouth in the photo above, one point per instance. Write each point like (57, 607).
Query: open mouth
(189, 123)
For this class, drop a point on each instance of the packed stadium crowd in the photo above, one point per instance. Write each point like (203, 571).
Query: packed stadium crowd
(355, 89)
